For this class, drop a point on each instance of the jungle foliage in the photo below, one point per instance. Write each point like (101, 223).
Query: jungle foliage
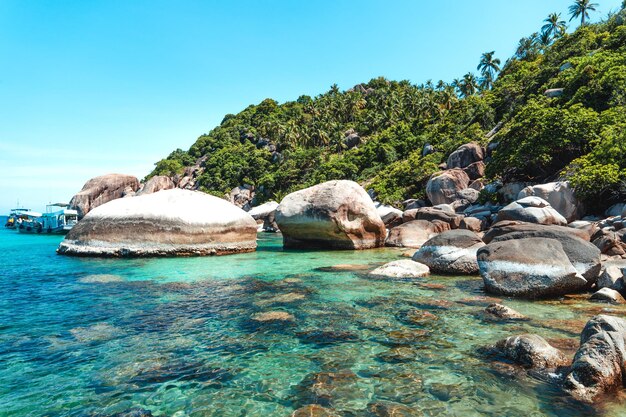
(579, 135)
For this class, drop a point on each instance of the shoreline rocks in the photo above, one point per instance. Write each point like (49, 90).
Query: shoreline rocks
(451, 252)
(167, 223)
(599, 366)
(532, 267)
(331, 215)
(531, 210)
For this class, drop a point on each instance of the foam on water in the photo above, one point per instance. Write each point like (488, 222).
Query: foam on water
(176, 336)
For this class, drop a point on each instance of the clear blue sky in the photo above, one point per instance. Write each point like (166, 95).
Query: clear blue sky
(90, 87)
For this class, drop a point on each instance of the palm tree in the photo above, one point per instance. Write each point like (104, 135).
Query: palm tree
(581, 8)
(544, 40)
(489, 65)
(554, 27)
(528, 48)
(469, 85)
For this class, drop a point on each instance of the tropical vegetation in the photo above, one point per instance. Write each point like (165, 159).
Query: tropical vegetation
(391, 136)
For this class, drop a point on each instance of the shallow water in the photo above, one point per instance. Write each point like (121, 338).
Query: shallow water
(83, 337)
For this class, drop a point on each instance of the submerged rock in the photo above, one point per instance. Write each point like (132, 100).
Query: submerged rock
(331, 215)
(314, 410)
(273, 316)
(391, 409)
(452, 252)
(600, 364)
(501, 312)
(167, 223)
(101, 190)
(101, 279)
(531, 351)
(404, 268)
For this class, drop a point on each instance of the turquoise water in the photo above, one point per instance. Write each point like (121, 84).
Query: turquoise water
(96, 337)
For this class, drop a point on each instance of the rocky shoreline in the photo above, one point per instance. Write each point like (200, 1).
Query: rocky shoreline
(536, 245)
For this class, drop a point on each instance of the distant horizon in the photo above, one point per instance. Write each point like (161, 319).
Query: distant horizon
(98, 88)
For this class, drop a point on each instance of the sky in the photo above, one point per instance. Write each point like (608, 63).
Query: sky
(91, 87)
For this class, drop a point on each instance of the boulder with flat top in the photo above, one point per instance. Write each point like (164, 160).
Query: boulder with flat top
(167, 223)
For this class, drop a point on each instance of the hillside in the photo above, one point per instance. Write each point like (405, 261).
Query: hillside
(391, 136)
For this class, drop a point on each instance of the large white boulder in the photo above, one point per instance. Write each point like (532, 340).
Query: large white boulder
(331, 215)
(166, 223)
(560, 196)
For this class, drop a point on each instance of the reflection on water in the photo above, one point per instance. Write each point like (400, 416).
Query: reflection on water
(200, 337)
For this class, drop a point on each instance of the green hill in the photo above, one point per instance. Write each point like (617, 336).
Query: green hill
(377, 132)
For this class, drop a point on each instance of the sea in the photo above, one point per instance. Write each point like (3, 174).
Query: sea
(185, 337)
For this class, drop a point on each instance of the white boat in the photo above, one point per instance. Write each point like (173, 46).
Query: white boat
(29, 222)
(57, 219)
(11, 222)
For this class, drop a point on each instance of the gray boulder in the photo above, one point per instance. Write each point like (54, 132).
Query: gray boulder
(607, 295)
(331, 215)
(559, 195)
(529, 267)
(584, 256)
(451, 252)
(465, 156)
(600, 364)
(531, 351)
(531, 210)
(612, 277)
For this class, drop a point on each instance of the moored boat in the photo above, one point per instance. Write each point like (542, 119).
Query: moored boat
(11, 222)
(58, 221)
(29, 222)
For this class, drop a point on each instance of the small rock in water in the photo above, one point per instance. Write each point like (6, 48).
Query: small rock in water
(134, 412)
(608, 295)
(397, 355)
(531, 351)
(323, 337)
(314, 410)
(390, 409)
(101, 279)
(416, 316)
(291, 297)
(273, 316)
(404, 268)
(343, 268)
(100, 331)
(500, 312)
